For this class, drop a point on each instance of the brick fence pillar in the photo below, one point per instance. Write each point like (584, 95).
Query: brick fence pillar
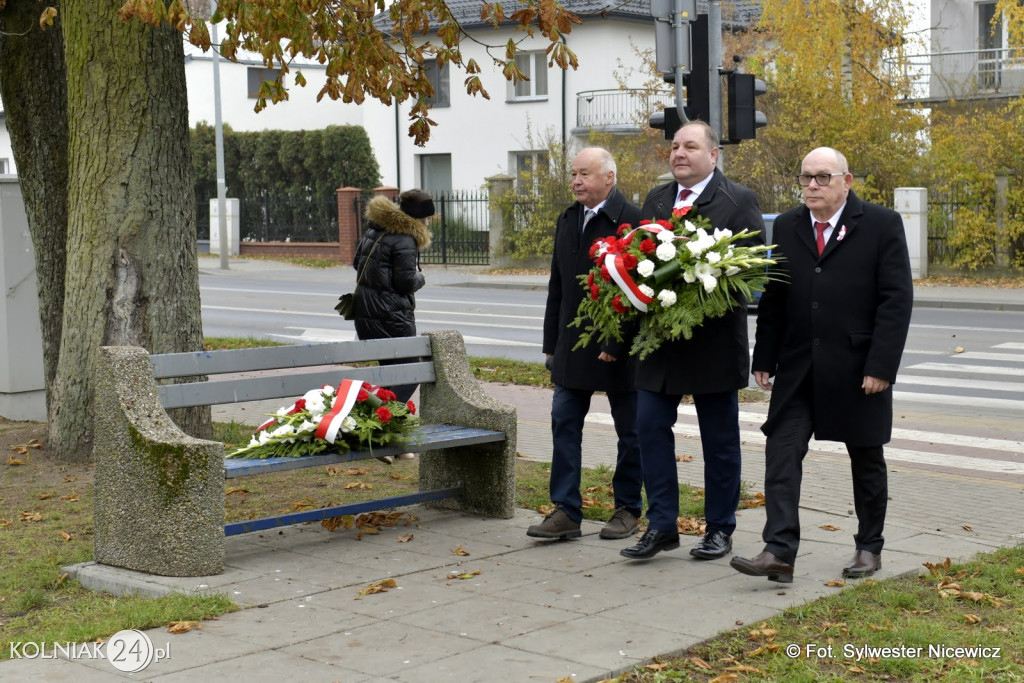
(387, 191)
(348, 222)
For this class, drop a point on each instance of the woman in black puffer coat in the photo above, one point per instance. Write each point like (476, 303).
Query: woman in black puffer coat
(390, 247)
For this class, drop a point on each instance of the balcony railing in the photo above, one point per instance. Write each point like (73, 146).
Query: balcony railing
(967, 74)
(618, 109)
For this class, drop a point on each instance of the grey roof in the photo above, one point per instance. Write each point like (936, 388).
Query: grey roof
(735, 13)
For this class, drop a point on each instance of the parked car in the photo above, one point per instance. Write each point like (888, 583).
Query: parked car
(769, 221)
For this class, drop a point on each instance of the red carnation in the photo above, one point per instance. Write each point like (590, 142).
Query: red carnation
(682, 211)
(617, 304)
(629, 261)
(594, 292)
(386, 395)
(648, 247)
(362, 395)
(383, 414)
(626, 241)
(646, 221)
(590, 279)
(411, 406)
(300, 405)
(605, 275)
(665, 224)
(593, 250)
(625, 228)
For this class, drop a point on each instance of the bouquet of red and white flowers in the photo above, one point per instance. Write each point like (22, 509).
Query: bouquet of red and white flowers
(353, 415)
(668, 276)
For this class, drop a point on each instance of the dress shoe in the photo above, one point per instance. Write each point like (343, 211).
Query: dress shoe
(863, 564)
(715, 544)
(652, 543)
(557, 524)
(764, 564)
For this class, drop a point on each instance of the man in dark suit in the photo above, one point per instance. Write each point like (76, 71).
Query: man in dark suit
(712, 365)
(831, 329)
(598, 211)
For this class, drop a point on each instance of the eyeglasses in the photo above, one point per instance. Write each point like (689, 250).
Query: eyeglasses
(823, 179)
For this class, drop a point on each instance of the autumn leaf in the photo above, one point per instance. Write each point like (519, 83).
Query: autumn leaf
(44, 496)
(22, 449)
(179, 627)
(968, 527)
(743, 668)
(13, 462)
(755, 502)
(306, 504)
(459, 551)
(829, 527)
(464, 575)
(65, 535)
(656, 665)
(405, 538)
(725, 678)
(355, 472)
(236, 489)
(378, 587)
(972, 618)
(959, 349)
(690, 526)
(937, 569)
(699, 663)
(30, 516)
(4, 522)
(1019, 571)
(835, 583)
(343, 522)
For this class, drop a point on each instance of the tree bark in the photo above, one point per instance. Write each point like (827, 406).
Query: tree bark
(132, 274)
(35, 100)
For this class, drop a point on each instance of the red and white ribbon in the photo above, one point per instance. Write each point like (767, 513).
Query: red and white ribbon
(344, 399)
(614, 264)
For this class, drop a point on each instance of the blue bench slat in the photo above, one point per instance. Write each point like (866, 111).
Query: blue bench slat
(426, 435)
(188, 364)
(340, 510)
(293, 385)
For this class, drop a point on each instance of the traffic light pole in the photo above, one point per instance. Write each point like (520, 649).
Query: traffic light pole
(714, 64)
(680, 32)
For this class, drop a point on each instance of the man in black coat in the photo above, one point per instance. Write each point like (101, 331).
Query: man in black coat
(712, 365)
(598, 211)
(831, 329)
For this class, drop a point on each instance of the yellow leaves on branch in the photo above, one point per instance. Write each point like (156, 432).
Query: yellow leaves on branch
(364, 56)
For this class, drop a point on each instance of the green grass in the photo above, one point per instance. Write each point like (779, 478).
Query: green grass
(979, 603)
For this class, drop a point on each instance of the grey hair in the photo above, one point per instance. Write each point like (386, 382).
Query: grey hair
(844, 167)
(606, 158)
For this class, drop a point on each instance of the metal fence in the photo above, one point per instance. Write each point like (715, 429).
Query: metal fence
(460, 229)
(942, 208)
(266, 219)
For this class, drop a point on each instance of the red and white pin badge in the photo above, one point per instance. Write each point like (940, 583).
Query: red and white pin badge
(842, 234)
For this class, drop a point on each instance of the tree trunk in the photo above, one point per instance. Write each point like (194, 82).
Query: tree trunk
(35, 100)
(132, 275)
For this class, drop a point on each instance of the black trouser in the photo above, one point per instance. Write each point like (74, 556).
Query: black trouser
(784, 454)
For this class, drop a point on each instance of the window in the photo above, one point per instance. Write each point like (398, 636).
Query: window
(4, 167)
(990, 43)
(439, 80)
(534, 66)
(256, 77)
(525, 168)
(435, 173)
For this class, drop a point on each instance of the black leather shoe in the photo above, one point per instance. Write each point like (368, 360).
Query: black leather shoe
(715, 544)
(764, 564)
(863, 564)
(652, 543)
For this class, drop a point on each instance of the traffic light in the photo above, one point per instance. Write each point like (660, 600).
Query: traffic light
(744, 119)
(698, 97)
(667, 120)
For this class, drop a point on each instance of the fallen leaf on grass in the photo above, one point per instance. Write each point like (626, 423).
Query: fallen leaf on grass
(770, 647)
(68, 480)
(357, 485)
(656, 665)
(1019, 571)
(835, 583)
(725, 678)
(44, 496)
(745, 669)
(236, 489)
(459, 551)
(972, 618)
(65, 535)
(465, 575)
(378, 587)
(545, 508)
(829, 527)
(857, 670)
(14, 462)
(4, 522)
(60, 580)
(179, 627)
(306, 504)
(355, 472)
(762, 633)
(396, 475)
(30, 516)
(22, 448)
(938, 569)
(405, 538)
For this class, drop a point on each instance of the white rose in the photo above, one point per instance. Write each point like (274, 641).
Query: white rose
(666, 251)
(645, 290)
(667, 297)
(645, 268)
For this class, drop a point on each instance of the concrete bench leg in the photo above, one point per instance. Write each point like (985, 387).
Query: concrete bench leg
(487, 470)
(159, 493)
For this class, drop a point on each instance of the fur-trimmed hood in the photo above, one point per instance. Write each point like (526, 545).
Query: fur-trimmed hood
(386, 214)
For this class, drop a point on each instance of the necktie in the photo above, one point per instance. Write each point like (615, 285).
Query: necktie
(683, 194)
(587, 215)
(819, 229)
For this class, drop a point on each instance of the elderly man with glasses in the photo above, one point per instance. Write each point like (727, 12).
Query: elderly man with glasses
(831, 327)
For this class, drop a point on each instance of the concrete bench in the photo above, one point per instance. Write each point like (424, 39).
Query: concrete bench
(160, 493)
